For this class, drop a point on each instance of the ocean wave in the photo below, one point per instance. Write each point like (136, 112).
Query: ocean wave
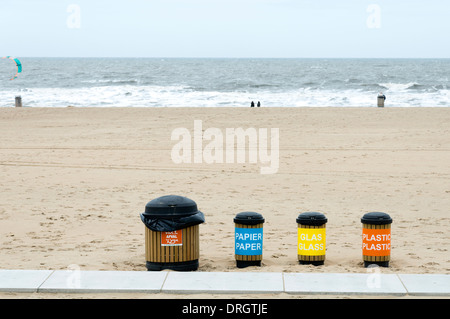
(262, 86)
(399, 86)
(439, 87)
(310, 84)
(352, 80)
(109, 81)
(184, 96)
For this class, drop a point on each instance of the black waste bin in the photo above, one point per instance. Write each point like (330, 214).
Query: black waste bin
(380, 99)
(172, 233)
(248, 235)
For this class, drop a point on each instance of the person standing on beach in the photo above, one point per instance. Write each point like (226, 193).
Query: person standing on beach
(252, 104)
(259, 104)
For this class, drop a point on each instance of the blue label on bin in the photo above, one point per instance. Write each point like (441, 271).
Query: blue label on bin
(248, 241)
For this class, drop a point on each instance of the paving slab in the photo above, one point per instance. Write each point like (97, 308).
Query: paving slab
(70, 281)
(22, 280)
(426, 284)
(223, 282)
(345, 283)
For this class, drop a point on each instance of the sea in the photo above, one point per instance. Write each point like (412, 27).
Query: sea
(225, 82)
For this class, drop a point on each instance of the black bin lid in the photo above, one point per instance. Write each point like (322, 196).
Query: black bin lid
(311, 219)
(170, 206)
(248, 218)
(376, 218)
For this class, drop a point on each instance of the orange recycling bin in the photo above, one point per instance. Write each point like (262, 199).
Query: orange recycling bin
(376, 239)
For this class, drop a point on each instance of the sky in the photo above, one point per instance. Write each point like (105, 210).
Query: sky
(226, 28)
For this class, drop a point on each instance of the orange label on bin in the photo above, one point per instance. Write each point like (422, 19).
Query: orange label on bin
(376, 242)
(172, 238)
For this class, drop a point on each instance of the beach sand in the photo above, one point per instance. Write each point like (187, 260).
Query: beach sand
(74, 181)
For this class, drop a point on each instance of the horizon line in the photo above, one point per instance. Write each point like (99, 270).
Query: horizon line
(218, 57)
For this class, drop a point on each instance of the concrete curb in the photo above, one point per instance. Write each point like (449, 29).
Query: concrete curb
(76, 281)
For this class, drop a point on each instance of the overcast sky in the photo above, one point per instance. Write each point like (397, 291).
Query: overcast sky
(226, 28)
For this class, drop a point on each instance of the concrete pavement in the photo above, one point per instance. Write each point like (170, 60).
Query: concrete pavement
(77, 281)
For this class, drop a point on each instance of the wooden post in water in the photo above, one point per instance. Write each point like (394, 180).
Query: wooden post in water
(18, 101)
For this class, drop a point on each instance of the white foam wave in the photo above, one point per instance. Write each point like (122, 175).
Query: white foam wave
(398, 86)
(181, 96)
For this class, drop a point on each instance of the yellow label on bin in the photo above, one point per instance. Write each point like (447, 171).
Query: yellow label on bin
(311, 241)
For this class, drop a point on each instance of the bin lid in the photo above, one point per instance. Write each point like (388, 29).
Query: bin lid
(171, 212)
(311, 219)
(170, 206)
(249, 218)
(376, 218)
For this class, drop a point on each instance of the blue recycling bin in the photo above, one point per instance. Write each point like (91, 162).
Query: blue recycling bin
(248, 248)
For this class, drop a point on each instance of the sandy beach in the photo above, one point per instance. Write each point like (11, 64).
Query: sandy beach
(74, 181)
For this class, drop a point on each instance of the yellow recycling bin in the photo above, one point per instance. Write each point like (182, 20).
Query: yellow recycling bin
(311, 244)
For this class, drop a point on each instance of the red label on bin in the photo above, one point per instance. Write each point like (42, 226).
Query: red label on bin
(172, 238)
